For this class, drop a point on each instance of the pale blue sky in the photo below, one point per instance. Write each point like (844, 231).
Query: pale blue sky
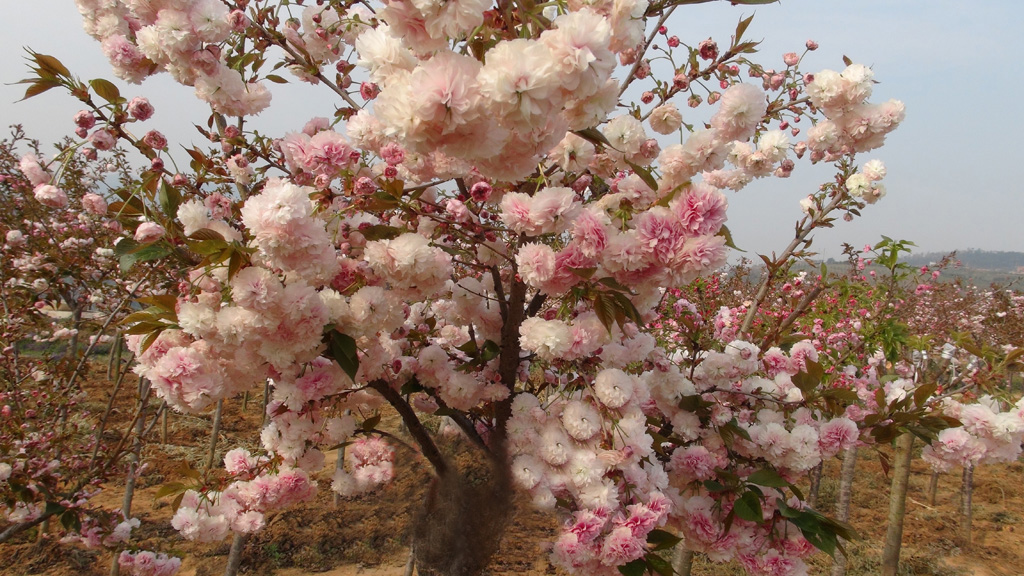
(951, 165)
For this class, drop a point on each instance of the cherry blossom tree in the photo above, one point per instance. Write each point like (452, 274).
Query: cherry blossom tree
(484, 230)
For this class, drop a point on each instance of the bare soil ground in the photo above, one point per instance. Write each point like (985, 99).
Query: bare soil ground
(368, 536)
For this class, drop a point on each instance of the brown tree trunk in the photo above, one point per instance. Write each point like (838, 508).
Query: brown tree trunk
(933, 488)
(846, 476)
(966, 511)
(211, 457)
(815, 478)
(682, 560)
(133, 467)
(897, 504)
(235, 555)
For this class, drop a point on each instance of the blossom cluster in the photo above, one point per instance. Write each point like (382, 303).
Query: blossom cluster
(181, 37)
(988, 434)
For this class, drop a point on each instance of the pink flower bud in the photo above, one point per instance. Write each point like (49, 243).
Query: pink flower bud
(673, 42)
(149, 232)
(49, 195)
(811, 45)
(238, 20)
(368, 90)
(94, 204)
(365, 186)
(791, 58)
(480, 192)
(140, 109)
(102, 139)
(155, 140)
(708, 49)
(85, 119)
(643, 70)
(582, 183)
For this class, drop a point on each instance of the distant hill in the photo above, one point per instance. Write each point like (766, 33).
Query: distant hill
(979, 267)
(976, 260)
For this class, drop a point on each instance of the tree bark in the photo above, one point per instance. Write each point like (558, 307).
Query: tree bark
(846, 475)
(966, 510)
(933, 488)
(897, 504)
(212, 455)
(235, 555)
(812, 494)
(682, 560)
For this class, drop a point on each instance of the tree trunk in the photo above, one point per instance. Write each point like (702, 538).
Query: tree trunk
(76, 323)
(410, 564)
(339, 465)
(114, 361)
(462, 522)
(846, 476)
(133, 467)
(966, 512)
(812, 494)
(682, 560)
(235, 555)
(933, 488)
(897, 504)
(266, 400)
(212, 455)
(163, 423)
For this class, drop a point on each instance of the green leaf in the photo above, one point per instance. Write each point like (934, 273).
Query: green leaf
(634, 568)
(644, 175)
(693, 403)
(50, 64)
(767, 477)
(924, 392)
(411, 387)
(658, 564)
(38, 87)
(70, 521)
(105, 89)
(370, 423)
(207, 247)
(725, 233)
(275, 79)
(594, 136)
(343, 349)
(53, 508)
(169, 199)
(748, 507)
(662, 540)
(604, 307)
(380, 232)
(715, 486)
(144, 254)
(742, 27)
(169, 489)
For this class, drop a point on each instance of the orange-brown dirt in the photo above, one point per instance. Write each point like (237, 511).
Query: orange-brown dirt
(368, 536)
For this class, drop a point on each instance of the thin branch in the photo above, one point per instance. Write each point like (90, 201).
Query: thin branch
(416, 429)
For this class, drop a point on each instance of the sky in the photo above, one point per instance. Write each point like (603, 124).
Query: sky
(951, 165)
